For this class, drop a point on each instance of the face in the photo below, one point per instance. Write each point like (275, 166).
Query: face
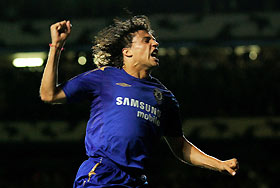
(144, 50)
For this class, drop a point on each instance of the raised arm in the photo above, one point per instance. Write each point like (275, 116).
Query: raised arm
(49, 91)
(188, 153)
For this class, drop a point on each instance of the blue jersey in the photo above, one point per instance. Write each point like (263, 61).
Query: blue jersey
(127, 116)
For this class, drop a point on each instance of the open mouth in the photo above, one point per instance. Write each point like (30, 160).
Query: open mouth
(154, 54)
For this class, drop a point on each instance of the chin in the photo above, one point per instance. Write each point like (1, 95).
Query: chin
(154, 64)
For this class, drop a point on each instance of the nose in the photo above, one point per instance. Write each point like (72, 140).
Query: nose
(155, 43)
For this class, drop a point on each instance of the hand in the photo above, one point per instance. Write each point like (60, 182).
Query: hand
(60, 32)
(230, 166)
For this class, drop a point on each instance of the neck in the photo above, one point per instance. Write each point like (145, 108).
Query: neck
(137, 72)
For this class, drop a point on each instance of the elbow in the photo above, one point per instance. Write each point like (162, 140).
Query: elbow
(44, 95)
(52, 98)
(46, 98)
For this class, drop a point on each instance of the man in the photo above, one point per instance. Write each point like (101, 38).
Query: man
(130, 110)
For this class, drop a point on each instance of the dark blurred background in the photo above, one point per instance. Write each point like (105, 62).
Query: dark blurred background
(221, 59)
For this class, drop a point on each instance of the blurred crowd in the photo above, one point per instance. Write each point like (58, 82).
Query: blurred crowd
(207, 81)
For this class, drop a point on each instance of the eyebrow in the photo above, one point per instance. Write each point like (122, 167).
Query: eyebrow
(149, 37)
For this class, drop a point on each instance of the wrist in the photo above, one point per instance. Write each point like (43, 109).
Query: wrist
(56, 46)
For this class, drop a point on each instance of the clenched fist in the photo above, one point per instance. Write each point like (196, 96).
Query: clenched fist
(230, 166)
(59, 33)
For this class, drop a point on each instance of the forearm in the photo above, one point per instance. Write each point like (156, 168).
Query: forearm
(196, 157)
(48, 87)
(49, 91)
(188, 153)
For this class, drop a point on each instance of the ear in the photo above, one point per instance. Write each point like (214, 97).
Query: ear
(126, 52)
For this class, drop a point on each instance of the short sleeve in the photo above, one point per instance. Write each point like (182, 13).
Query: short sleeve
(83, 86)
(172, 124)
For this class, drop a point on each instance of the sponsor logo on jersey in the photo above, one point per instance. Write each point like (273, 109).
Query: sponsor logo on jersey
(123, 84)
(146, 111)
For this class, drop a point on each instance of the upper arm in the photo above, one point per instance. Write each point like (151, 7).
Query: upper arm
(57, 97)
(176, 145)
(180, 147)
(60, 96)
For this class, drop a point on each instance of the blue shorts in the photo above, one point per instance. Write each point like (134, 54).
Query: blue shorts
(99, 172)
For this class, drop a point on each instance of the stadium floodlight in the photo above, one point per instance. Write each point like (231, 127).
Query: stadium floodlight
(28, 62)
(82, 60)
(29, 59)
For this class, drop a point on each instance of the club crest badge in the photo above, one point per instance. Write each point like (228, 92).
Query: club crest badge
(158, 95)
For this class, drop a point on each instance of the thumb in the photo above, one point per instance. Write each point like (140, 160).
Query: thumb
(230, 171)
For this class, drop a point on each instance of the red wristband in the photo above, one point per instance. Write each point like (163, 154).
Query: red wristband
(52, 45)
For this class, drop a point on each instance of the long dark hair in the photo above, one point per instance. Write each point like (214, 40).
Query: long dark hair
(108, 44)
